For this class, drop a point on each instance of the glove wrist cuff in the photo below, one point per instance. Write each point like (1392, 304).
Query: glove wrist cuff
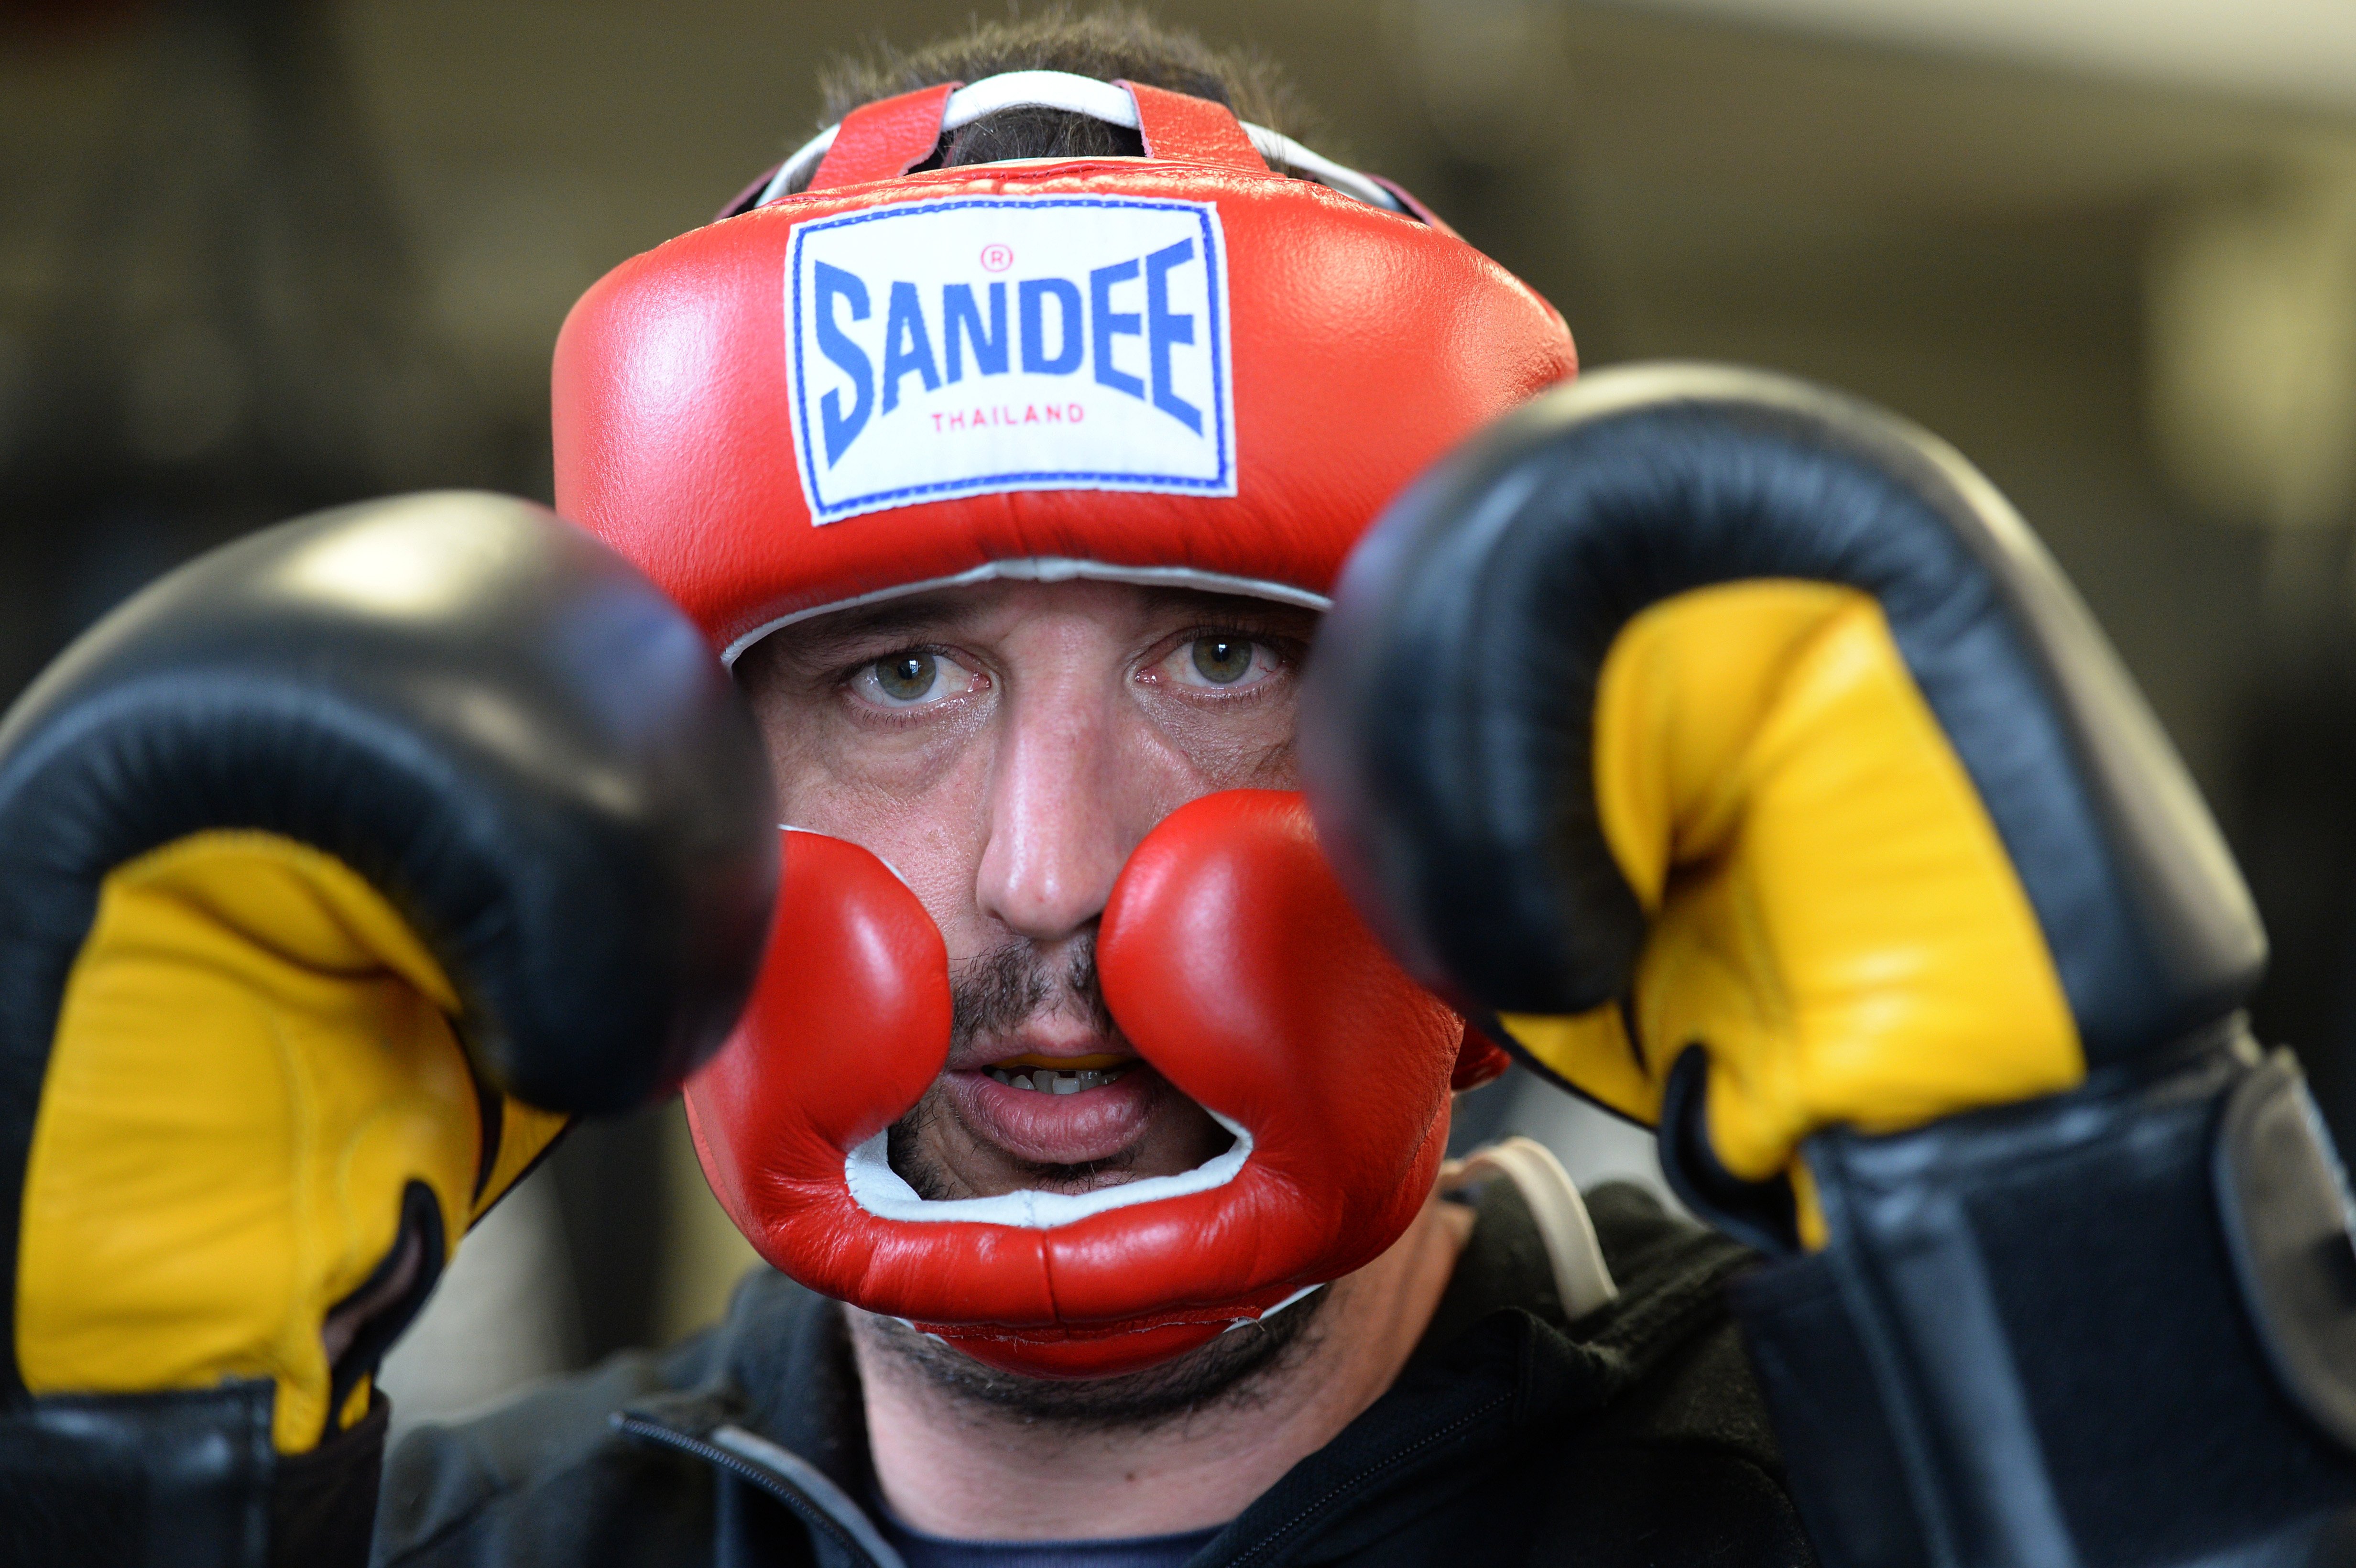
(190, 1479)
(2060, 1331)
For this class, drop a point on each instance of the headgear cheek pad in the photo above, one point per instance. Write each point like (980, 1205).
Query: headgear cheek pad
(1184, 369)
(1231, 960)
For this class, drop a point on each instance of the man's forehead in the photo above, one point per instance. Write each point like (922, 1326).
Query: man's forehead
(945, 611)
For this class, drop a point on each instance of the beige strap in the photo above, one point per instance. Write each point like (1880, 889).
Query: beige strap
(1582, 1278)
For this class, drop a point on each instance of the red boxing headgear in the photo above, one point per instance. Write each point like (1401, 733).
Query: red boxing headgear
(1199, 373)
(1184, 370)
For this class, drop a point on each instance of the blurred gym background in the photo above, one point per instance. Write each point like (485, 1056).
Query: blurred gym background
(259, 256)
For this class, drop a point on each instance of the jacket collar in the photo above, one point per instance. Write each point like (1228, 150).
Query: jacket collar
(780, 1412)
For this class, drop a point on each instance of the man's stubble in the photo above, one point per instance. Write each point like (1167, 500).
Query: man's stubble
(1233, 1372)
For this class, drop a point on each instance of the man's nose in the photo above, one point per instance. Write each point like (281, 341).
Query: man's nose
(1057, 827)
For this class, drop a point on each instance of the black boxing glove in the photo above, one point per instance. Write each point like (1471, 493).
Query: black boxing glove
(1741, 747)
(337, 870)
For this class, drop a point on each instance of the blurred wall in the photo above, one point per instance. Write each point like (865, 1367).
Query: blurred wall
(262, 256)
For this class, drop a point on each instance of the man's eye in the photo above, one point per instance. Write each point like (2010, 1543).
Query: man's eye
(1217, 660)
(1223, 661)
(908, 678)
(912, 677)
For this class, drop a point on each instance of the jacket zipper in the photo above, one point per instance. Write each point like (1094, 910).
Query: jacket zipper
(807, 1509)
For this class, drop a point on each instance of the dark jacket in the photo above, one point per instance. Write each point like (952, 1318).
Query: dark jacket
(1511, 1437)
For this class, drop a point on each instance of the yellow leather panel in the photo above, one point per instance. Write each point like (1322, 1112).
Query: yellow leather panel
(254, 1057)
(1808, 1207)
(356, 1403)
(525, 1132)
(1834, 916)
(1592, 1049)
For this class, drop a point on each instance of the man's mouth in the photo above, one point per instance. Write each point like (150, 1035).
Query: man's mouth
(1040, 1091)
(1059, 1075)
(1045, 1109)
(1052, 1122)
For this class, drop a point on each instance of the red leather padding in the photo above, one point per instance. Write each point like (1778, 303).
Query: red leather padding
(848, 1026)
(1480, 1061)
(884, 140)
(1187, 129)
(1364, 345)
(1233, 963)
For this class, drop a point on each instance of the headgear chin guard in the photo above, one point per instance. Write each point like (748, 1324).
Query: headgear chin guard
(1186, 370)
(1231, 960)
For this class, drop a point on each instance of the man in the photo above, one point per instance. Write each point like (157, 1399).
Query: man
(1005, 734)
(1734, 744)
(1724, 736)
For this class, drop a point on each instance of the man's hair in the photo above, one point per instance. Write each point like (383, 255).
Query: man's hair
(1117, 42)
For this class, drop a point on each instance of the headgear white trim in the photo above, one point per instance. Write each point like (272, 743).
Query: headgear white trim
(1097, 101)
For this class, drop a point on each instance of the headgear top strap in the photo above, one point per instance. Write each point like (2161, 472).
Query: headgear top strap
(1179, 130)
(1190, 130)
(883, 140)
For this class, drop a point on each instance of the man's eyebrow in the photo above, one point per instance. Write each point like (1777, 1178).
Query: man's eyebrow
(819, 637)
(823, 638)
(1207, 606)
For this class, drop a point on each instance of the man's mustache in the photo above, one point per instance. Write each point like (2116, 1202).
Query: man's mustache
(993, 993)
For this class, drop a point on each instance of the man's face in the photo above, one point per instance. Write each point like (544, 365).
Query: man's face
(1004, 747)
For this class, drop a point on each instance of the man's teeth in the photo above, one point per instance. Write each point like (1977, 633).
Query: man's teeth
(1042, 1080)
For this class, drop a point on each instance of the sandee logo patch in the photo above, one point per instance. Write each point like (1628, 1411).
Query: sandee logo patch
(987, 344)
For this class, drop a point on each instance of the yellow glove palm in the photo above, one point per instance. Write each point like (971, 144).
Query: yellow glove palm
(255, 1058)
(1832, 915)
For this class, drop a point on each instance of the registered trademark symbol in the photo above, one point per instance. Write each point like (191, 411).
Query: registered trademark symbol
(997, 257)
